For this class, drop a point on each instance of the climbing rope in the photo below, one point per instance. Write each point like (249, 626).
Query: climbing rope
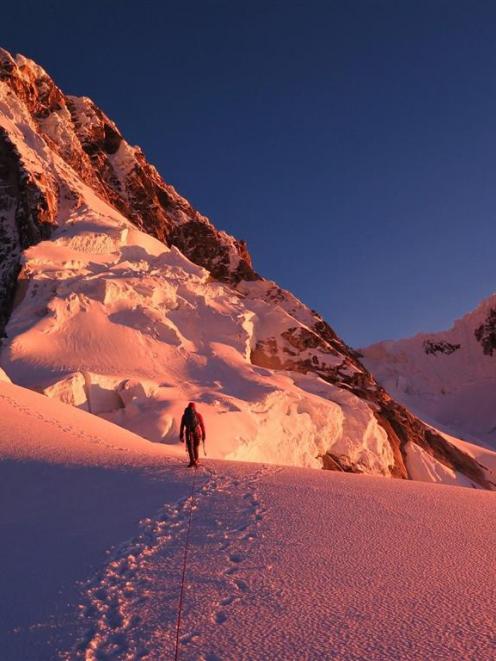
(185, 560)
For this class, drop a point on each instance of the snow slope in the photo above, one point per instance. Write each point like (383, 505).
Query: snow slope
(71, 486)
(448, 378)
(128, 303)
(111, 320)
(116, 323)
(284, 563)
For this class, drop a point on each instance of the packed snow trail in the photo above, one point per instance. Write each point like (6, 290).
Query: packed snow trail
(185, 562)
(293, 564)
(131, 608)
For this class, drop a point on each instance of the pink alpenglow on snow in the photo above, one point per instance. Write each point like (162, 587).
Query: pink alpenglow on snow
(283, 562)
(119, 298)
(120, 303)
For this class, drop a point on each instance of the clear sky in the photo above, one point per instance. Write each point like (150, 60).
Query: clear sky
(352, 144)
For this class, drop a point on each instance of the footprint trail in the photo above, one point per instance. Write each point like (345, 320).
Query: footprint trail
(130, 607)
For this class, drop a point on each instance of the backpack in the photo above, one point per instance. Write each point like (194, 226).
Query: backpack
(190, 418)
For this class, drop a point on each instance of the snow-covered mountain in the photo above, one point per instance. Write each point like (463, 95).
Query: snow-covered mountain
(449, 377)
(123, 300)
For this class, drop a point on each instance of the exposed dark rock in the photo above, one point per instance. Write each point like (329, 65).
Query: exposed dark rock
(431, 347)
(400, 425)
(31, 84)
(27, 210)
(204, 245)
(485, 334)
(333, 462)
(407, 427)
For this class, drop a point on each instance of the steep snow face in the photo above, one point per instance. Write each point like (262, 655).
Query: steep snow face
(449, 378)
(137, 304)
(114, 322)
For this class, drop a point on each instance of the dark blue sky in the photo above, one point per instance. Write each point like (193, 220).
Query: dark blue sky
(352, 144)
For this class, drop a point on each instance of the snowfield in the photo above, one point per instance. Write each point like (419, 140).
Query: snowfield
(283, 563)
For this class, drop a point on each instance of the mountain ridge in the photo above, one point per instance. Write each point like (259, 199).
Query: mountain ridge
(449, 376)
(61, 159)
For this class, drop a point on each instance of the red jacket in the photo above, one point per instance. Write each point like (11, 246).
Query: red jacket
(201, 424)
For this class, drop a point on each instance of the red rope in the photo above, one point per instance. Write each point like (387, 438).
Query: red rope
(186, 548)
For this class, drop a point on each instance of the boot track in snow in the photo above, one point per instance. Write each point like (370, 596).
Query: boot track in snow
(133, 608)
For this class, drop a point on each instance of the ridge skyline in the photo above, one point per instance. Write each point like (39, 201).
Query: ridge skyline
(405, 196)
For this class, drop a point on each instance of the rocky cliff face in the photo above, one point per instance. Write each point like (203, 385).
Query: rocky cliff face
(28, 202)
(93, 146)
(83, 147)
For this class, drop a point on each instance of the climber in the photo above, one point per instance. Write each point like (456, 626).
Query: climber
(192, 422)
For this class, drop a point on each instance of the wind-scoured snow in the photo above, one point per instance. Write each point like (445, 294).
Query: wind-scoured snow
(283, 563)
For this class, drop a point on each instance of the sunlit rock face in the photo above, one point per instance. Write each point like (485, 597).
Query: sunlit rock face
(115, 279)
(93, 146)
